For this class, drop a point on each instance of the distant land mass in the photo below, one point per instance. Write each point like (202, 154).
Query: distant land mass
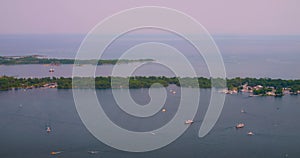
(38, 59)
(256, 87)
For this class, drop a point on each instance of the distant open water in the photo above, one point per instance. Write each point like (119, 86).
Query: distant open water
(244, 56)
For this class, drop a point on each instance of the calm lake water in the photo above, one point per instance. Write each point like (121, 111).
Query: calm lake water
(25, 114)
(255, 68)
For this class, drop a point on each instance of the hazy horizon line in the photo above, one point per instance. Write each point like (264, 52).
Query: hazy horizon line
(84, 34)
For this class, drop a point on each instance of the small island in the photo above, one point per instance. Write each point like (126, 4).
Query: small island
(38, 59)
(253, 86)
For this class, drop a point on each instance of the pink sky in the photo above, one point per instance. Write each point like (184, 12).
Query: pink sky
(219, 17)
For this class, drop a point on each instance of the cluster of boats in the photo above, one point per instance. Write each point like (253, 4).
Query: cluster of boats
(242, 125)
(188, 122)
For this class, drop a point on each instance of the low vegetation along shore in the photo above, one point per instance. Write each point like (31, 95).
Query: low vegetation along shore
(256, 87)
(37, 59)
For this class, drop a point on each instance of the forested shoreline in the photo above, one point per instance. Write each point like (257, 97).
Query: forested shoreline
(261, 86)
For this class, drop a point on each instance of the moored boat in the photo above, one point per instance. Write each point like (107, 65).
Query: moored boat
(189, 122)
(250, 133)
(48, 129)
(240, 125)
(51, 70)
(55, 152)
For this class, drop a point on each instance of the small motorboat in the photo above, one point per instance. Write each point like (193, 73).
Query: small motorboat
(152, 133)
(48, 129)
(243, 111)
(164, 110)
(250, 133)
(240, 125)
(172, 91)
(93, 152)
(189, 122)
(55, 152)
(51, 70)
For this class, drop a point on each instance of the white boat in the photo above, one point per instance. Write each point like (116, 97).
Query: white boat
(51, 70)
(93, 152)
(240, 125)
(172, 91)
(189, 122)
(250, 133)
(55, 152)
(48, 129)
(152, 133)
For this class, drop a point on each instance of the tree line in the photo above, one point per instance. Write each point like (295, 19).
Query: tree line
(7, 83)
